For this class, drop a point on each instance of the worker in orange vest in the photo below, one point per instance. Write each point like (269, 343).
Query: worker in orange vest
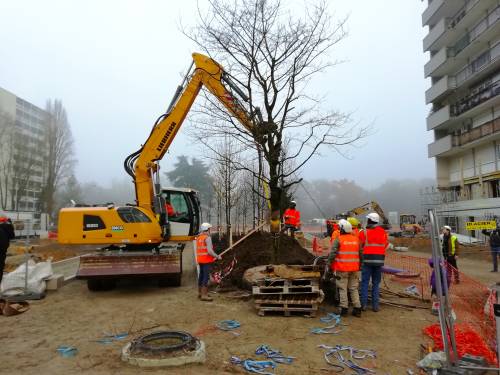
(291, 219)
(335, 232)
(374, 243)
(205, 256)
(345, 260)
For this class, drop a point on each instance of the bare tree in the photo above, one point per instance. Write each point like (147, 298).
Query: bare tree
(59, 143)
(273, 54)
(7, 136)
(225, 178)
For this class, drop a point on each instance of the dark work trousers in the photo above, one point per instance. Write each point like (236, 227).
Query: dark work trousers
(204, 274)
(495, 253)
(453, 268)
(3, 255)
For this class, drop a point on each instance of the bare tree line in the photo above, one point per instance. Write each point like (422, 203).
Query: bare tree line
(38, 164)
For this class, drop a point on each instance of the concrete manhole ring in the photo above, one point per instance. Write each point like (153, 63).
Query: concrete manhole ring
(150, 350)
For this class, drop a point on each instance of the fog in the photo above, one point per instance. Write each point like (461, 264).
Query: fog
(116, 64)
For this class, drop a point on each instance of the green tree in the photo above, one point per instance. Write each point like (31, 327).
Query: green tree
(192, 175)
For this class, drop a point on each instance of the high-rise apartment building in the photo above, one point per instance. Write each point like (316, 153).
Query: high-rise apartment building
(23, 153)
(464, 71)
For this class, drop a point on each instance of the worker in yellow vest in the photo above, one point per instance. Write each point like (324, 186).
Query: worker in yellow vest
(450, 252)
(205, 256)
(345, 260)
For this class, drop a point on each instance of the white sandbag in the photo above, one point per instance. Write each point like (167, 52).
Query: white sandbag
(13, 283)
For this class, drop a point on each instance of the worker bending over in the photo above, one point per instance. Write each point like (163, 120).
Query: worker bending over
(344, 261)
(374, 243)
(205, 256)
(291, 218)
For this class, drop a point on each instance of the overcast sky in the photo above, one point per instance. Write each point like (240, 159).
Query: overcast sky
(116, 64)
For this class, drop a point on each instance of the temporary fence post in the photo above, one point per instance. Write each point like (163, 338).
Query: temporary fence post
(496, 310)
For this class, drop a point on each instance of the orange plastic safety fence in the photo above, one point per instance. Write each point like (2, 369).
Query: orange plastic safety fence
(471, 300)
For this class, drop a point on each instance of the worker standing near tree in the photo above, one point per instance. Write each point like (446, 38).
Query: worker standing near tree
(205, 256)
(374, 243)
(6, 234)
(344, 261)
(291, 219)
(450, 252)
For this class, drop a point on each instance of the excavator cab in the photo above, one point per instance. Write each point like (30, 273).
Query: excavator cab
(182, 208)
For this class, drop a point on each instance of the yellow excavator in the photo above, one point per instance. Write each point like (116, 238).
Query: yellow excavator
(357, 211)
(137, 235)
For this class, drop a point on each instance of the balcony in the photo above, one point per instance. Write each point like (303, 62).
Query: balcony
(475, 98)
(440, 146)
(440, 88)
(437, 61)
(438, 9)
(430, 41)
(450, 59)
(480, 66)
(480, 133)
(438, 117)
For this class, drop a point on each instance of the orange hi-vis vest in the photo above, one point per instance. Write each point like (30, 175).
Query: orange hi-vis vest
(292, 217)
(375, 243)
(347, 257)
(202, 255)
(335, 234)
(355, 232)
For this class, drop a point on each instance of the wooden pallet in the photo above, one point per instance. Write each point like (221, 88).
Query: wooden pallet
(286, 286)
(282, 299)
(288, 311)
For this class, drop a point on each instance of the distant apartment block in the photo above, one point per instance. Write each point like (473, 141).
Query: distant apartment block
(464, 71)
(23, 153)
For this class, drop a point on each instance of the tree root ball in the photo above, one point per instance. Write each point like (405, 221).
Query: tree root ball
(257, 250)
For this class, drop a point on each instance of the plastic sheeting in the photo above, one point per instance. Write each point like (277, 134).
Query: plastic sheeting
(14, 282)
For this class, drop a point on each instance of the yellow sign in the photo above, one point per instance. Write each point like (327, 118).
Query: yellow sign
(479, 225)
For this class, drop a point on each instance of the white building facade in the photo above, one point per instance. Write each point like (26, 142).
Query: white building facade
(464, 70)
(23, 154)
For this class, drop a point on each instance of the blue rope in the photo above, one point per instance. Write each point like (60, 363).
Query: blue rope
(330, 317)
(228, 325)
(257, 367)
(274, 355)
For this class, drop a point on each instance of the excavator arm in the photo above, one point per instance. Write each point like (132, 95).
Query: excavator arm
(143, 164)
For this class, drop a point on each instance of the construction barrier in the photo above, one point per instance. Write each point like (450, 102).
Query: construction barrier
(471, 300)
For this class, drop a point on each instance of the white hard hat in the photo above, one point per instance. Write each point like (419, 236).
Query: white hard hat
(345, 226)
(447, 227)
(205, 226)
(373, 216)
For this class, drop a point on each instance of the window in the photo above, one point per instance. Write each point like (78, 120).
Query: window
(132, 215)
(92, 222)
(451, 221)
(179, 205)
(494, 188)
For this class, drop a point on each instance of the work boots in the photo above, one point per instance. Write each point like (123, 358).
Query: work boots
(344, 311)
(204, 294)
(356, 312)
(199, 292)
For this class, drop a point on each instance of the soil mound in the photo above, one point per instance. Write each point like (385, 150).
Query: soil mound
(257, 250)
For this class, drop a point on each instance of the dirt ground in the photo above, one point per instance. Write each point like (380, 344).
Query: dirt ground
(74, 316)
